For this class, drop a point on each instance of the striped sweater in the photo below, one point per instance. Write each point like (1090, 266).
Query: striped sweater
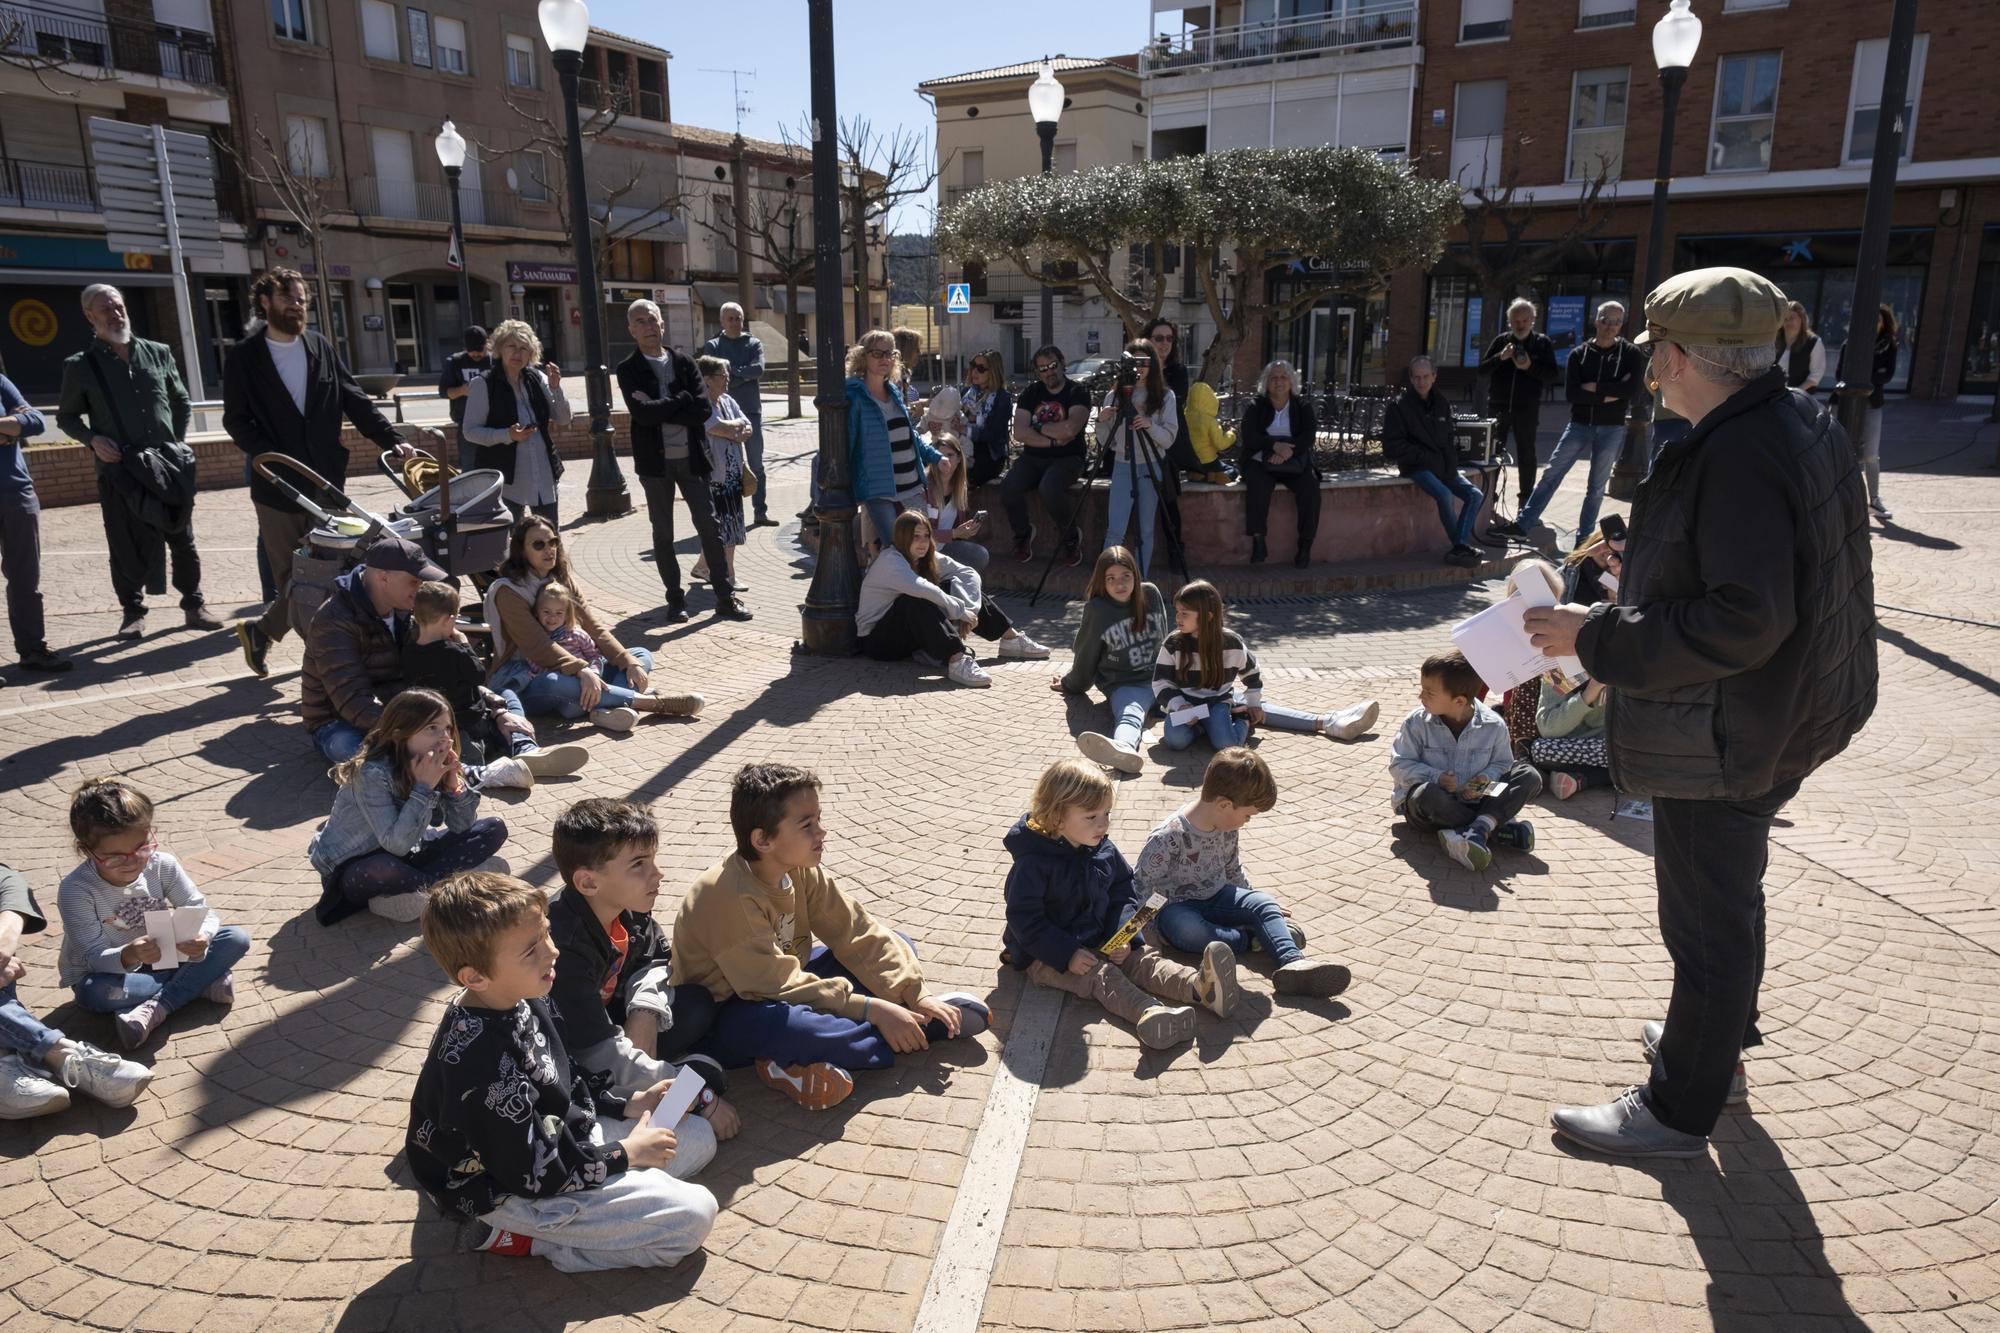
(1177, 673)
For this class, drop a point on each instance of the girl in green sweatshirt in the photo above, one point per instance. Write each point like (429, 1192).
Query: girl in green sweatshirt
(1124, 622)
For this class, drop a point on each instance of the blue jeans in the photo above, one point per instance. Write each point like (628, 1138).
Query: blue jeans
(338, 742)
(1224, 729)
(553, 692)
(1459, 527)
(1233, 915)
(22, 1031)
(1129, 706)
(1604, 443)
(115, 992)
(791, 1034)
(1279, 718)
(882, 515)
(1127, 481)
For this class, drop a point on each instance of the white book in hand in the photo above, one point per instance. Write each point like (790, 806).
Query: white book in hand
(172, 928)
(1496, 643)
(678, 1097)
(1192, 713)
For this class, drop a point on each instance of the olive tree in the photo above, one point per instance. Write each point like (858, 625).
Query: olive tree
(1245, 216)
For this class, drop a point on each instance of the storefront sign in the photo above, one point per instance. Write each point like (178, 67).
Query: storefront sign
(1566, 317)
(525, 272)
(67, 252)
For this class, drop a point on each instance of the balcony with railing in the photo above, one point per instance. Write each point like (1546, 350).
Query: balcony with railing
(76, 37)
(1361, 26)
(47, 185)
(420, 201)
(620, 97)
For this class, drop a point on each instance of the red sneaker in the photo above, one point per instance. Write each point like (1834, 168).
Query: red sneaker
(507, 1242)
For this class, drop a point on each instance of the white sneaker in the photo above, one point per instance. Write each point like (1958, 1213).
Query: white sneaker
(1101, 749)
(104, 1076)
(222, 990)
(964, 671)
(1351, 722)
(26, 1092)
(1023, 647)
(616, 719)
(509, 772)
(399, 906)
(555, 761)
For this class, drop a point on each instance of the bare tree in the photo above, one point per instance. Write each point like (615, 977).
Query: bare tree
(1502, 259)
(879, 171)
(287, 171)
(780, 237)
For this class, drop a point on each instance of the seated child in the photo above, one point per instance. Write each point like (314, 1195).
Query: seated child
(38, 1064)
(1068, 893)
(1447, 762)
(805, 1016)
(505, 1130)
(1571, 744)
(1192, 861)
(619, 1016)
(108, 960)
(377, 850)
(491, 724)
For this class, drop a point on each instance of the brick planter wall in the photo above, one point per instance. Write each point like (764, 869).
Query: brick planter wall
(65, 473)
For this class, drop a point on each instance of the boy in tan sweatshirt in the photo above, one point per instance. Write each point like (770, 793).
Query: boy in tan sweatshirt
(804, 1015)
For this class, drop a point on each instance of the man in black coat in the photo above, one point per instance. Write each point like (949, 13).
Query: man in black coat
(1520, 364)
(1740, 656)
(669, 415)
(285, 391)
(1419, 438)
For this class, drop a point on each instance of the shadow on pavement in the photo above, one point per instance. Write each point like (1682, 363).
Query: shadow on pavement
(445, 1286)
(1944, 662)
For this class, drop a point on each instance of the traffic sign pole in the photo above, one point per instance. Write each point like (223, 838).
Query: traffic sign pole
(190, 352)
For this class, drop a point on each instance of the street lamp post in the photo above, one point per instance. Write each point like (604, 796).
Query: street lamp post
(827, 624)
(1045, 103)
(566, 28)
(1675, 38)
(451, 155)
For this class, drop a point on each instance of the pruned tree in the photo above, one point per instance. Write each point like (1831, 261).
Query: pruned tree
(878, 172)
(287, 171)
(780, 236)
(1502, 258)
(1244, 217)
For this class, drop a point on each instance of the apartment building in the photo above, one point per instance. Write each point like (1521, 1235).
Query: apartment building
(352, 93)
(985, 134)
(144, 61)
(1773, 143)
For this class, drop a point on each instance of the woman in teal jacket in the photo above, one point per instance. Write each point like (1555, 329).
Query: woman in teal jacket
(886, 457)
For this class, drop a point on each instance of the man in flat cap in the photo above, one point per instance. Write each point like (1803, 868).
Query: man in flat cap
(1740, 657)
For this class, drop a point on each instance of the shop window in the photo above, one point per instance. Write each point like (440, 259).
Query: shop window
(1746, 111)
(1980, 371)
(1864, 97)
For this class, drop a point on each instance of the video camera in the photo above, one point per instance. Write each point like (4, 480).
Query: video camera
(1130, 367)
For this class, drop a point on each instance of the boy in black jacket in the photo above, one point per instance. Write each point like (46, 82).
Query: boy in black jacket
(619, 1016)
(491, 726)
(505, 1131)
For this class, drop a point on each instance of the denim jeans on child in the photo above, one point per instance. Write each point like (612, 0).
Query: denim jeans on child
(21, 1031)
(1129, 706)
(1130, 480)
(1233, 915)
(1603, 444)
(553, 692)
(115, 992)
(1222, 727)
(1458, 527)
(792, 1034)
(1279, 718)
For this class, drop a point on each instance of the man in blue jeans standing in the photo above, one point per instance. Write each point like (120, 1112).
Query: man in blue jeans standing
(1417, 437)
(1599, 381)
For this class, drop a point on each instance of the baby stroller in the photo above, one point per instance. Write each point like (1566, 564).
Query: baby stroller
(461, 522)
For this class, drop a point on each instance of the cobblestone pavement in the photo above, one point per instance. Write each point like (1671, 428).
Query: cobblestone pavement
(1383, 1161)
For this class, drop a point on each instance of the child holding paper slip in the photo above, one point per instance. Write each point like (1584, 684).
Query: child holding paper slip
(139, 940)
(1069, 894)
(1454, 768)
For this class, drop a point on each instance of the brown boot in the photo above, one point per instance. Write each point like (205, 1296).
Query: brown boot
(670, 705)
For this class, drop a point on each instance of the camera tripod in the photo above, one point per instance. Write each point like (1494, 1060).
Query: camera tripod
(1140, 449)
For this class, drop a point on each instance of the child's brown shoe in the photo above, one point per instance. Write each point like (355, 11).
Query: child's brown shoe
(1165, 1025)
(816, 1086)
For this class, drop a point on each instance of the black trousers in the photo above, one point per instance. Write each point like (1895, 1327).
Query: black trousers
(660, 509)
(136, 558)
(1708, 861)
(21, 565)
(1520, 425)
(1260, 482)
(913, 625)
(1034, 471)
(1429, 806)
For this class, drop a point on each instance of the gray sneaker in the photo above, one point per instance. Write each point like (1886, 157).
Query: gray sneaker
(1650, 1036)
(1101, 749)
(27, 1091)
(973, 1015)
(399, 906)
(103, 1076)
(1310, 976)
(1625, 1128)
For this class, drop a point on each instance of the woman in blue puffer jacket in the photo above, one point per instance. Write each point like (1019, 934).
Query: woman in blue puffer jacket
(885, 456)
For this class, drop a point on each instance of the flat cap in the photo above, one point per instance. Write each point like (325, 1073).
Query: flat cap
(1714, 307)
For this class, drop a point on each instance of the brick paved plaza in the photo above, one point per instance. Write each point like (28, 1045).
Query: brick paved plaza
(1380, 1161)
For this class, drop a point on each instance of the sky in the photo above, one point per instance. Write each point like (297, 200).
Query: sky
(882, 52)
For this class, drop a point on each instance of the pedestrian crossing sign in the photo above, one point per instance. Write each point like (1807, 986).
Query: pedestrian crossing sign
(958, 298)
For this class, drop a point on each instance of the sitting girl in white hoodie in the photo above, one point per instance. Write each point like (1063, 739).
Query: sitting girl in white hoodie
(918, 603)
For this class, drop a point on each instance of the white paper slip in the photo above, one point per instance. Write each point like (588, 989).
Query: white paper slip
(172, 928)
(1192, 713)
(678, 1097)
(1632, 807)
(1496, 643)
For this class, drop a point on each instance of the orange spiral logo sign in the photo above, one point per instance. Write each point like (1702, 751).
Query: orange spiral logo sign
(32, 322)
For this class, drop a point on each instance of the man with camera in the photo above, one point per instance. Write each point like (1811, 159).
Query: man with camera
(1519, 364)
(1048, 421)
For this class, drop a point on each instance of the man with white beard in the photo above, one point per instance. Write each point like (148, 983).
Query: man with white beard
(124, 397)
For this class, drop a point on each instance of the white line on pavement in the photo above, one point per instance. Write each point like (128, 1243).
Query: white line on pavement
(963, 1267)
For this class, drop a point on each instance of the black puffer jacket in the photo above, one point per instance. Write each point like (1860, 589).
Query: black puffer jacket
(1417, 435)
(1741, 652)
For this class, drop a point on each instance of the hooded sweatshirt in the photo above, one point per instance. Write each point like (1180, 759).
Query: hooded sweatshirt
(1061, 898)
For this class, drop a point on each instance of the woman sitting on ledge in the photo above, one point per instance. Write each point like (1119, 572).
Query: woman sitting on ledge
(1276, 438)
